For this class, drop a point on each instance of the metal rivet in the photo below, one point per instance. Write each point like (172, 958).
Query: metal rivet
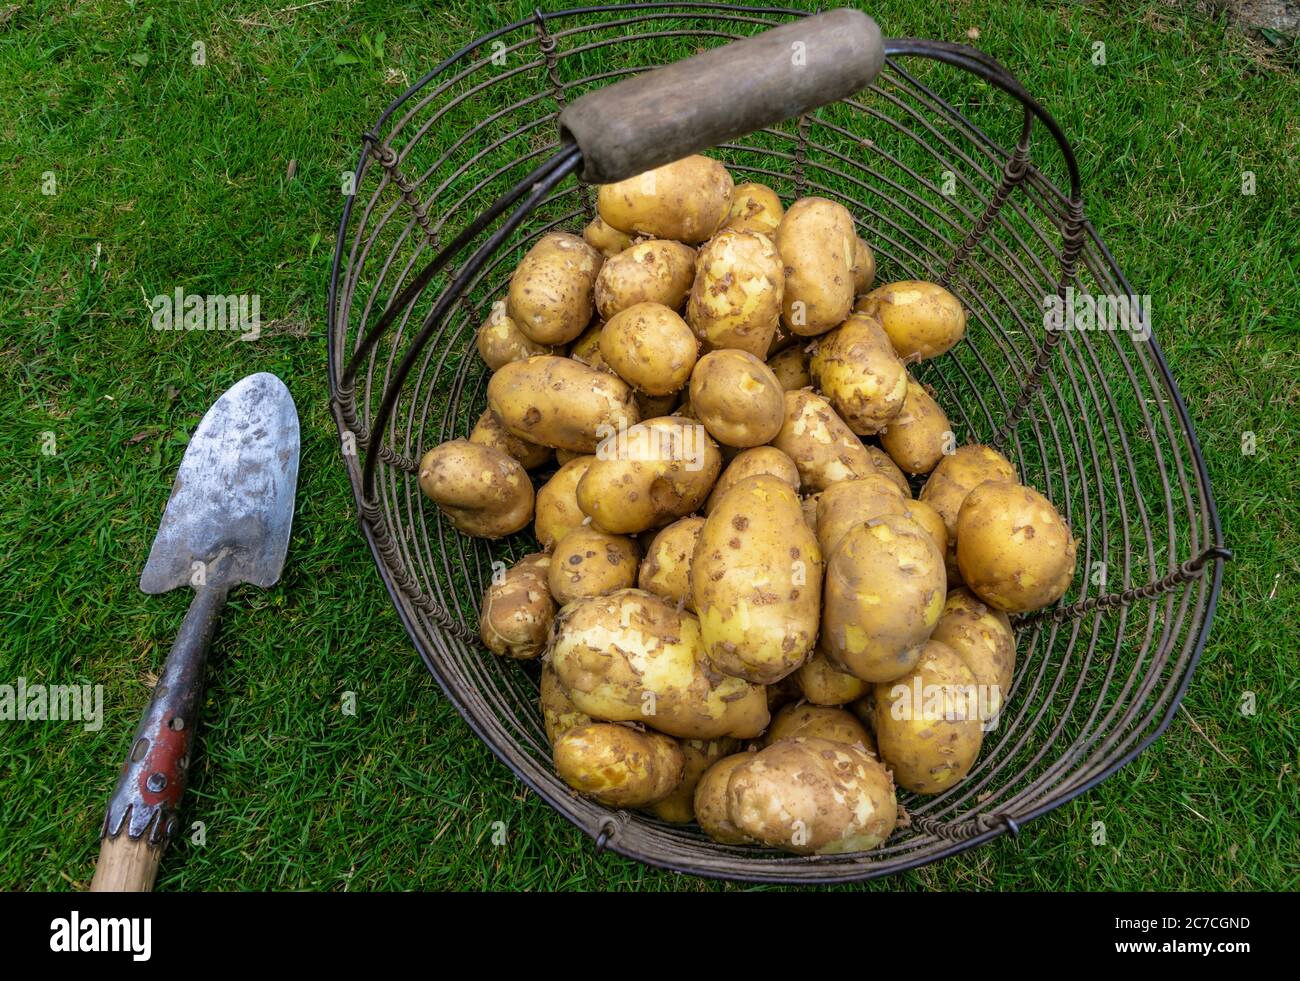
(156, 782)
(176, 723)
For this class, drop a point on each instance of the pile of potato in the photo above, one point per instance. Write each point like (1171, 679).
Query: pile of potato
(738, 598)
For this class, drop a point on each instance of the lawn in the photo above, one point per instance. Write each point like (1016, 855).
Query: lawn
(130, 170)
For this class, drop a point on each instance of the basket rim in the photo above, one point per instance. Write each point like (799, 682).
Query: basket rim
(780, 867)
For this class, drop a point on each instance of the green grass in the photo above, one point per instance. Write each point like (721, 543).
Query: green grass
(171, 174)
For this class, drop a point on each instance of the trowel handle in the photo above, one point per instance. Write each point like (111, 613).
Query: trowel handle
(142, 813)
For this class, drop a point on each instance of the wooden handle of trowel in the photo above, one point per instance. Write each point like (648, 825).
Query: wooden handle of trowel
(126, 865)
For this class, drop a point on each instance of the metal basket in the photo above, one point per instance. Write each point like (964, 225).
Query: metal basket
(1093, 419)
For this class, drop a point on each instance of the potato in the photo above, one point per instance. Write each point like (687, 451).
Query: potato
(822, 683)
(488, 431)
(650, 348)
(588, 562)
(586, 349)
(550, 298)
(885, 589)
(820, 444)
(700, 754)
(653, 271)
(500, 341)
(559, 714)
(654, 406)
(754, 208)
(783, 339)
(632, 657)
(559, 402)
(855, 367)
(751, 463)
(483, 491)
(819, 722)
(817, 243)
(619, 766)
(652, 474)
(517, 611)
(916, 438)
(929, 519)
(711, 802)
(756, 576)
(791, 368)
(882, 464)
(863, 270)
(1014, 549)
(957, 474)
(927, 730)
(812, 797)
(982, 637)
(686, 200)
(609, 242)
(923, 320)
(666, 568)
(809, 507)
(737, 398)
(735, 301)
(557, 503)
(843, 506)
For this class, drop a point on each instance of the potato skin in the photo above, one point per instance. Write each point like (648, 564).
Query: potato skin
(819, 722)
(700, 754)
(517, 612)
(550, 298)
(791, 368)
(586, 349)
(982, 637)
(686, 200)
(588, 562)
(500, 341)
(754, 208)
(842, 506)
(929, 519)
(632, 657)
(560, 402)
(756, 575)
(737, 398)
(662, 470)
(916, 438)
(609, 242)
(822, 683)
(885, 588)
(735, 300)
(751, 463)
(559, 714)
(557, 503)
(863, 270)
(711, 802)
(821, 445)
(653, 271)
(817, 243)
(488, 431)
(812, 797)
(618, 766)
(483, 491)
(882, 464)
(666, 568)
(1014, 549)
(650, 348)
(928, 755)
(855, 367)
(923, 320)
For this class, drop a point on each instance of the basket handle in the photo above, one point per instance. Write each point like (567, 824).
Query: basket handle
(660, 116)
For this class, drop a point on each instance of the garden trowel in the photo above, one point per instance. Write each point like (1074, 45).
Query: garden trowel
(227, 522)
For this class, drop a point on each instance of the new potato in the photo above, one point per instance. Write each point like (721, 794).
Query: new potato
(754, 208)
(923, 320)
(649, 347)
(666, 568)
(818, 245)
(750, 463)
(686, 200)
(517, 612)
(560, 402)
(500, 341)
(559, 714)
(588, 562)
(618, 766)
(821, 445)
(855, 367)
(756, 577)
(483, 491)
(843, 506)
(791, 368)
(557, 502)
(820, 722)
(488, 431)
(550, 298)
(917, 437)
(609, 242)
(822, 683)
(735, 300)
(631, 657)
(700, 754)
(653, 271)
(737, 398)
(982, 637)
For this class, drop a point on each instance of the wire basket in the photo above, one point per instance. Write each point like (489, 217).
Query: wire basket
(1093, 419)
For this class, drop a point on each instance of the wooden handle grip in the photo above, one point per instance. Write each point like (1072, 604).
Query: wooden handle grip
(671, 112)
(126, 865)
